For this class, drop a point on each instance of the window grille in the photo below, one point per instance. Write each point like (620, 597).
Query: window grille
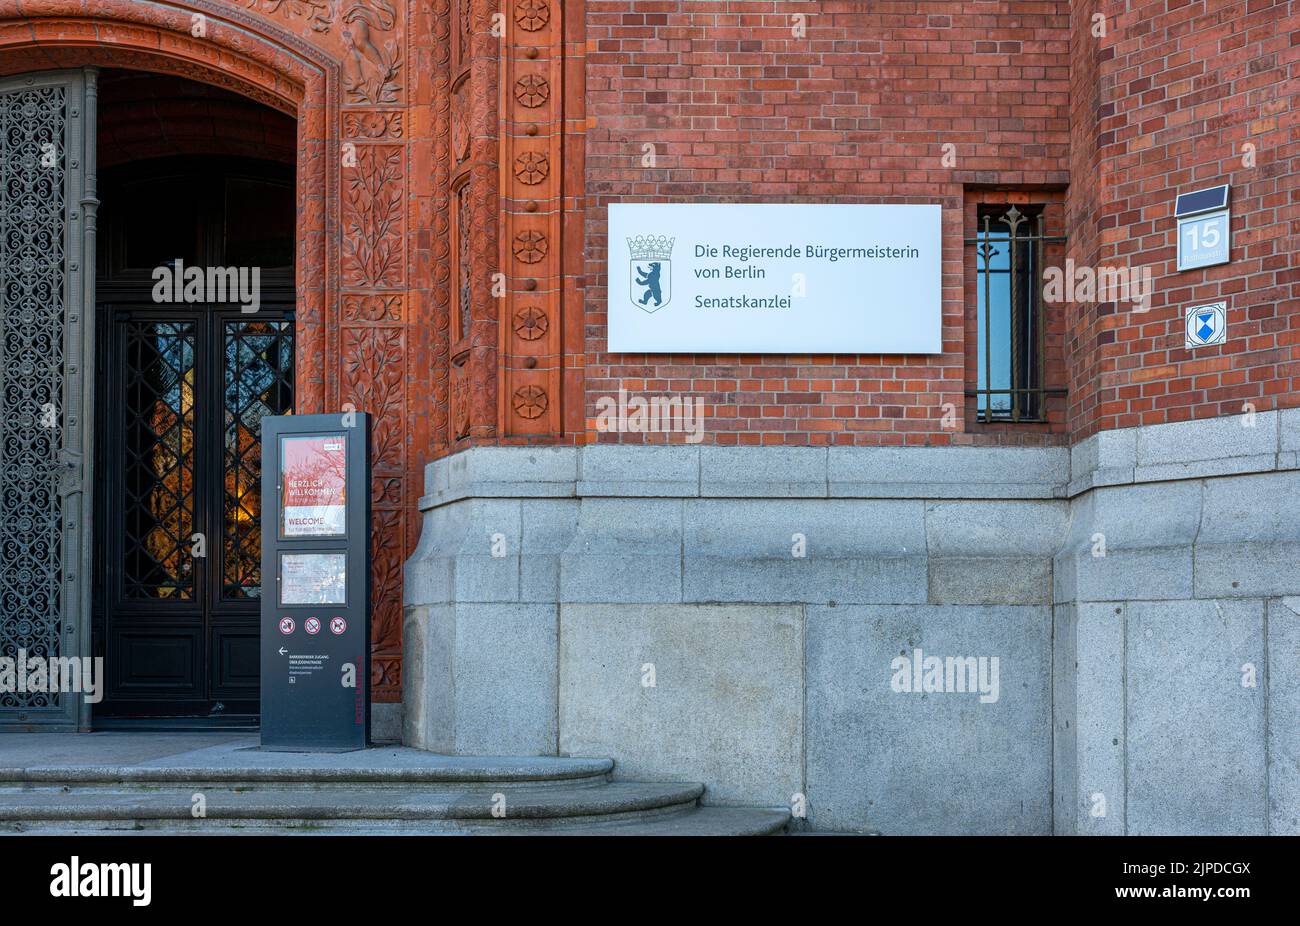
(1010, 332)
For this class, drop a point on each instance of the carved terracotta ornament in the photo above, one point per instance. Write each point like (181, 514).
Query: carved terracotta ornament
(320, 13)
(530, 246)
(372, 308)
(373, 200)
(466, 22)
(372, 125)
(530, 402)
(374, 373)
(532, 15)
(464, 297)
(460, 401)
(532, 90)
(370, 73)
(460, 137)
(532, 167)
(531, 323)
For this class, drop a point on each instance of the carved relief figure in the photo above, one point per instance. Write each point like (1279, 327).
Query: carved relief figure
(371, 69)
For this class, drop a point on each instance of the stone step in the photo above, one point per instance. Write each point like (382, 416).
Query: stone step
(699, 821)
(119, 784)
(398, 767)
(614, 800)
(702, 821)
(613, 809)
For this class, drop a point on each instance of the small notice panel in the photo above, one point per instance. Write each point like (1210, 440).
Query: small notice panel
(315, 486)
(316, 627)
(314, 578)
(775, 278)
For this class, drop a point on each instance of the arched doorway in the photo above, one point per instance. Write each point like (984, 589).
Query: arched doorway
(350, 332)
(194, 314)
(156, 391)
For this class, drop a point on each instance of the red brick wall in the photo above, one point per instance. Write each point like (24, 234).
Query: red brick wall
(1085, 331)
(1184, 85)
(855, 111)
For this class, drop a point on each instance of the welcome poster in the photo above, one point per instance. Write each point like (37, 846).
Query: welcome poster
(314, 473)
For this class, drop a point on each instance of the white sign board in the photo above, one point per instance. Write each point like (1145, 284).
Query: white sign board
(774, 278)
(1203, 240)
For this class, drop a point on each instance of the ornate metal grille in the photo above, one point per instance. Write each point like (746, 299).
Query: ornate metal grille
(32, 301)
(159, 465)
(258, 381)
(1010, 337)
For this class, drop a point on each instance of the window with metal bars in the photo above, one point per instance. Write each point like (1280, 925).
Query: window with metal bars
(1008, 246)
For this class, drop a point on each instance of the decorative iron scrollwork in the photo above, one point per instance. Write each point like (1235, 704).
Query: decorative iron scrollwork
(258, 381)
(32, 294)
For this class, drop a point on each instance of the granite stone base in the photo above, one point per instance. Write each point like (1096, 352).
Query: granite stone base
(738, 616)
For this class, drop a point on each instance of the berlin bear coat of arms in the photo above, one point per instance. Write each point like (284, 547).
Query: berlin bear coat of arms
(650, 275)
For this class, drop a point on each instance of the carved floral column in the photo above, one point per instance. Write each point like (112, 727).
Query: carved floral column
(459, 242)
(372, 337)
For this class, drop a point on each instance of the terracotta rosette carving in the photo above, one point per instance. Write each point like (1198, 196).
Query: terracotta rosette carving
(531, 246)
(531, 323)
(532, 15)
(530, 402)
(532, 167)
(532, 90)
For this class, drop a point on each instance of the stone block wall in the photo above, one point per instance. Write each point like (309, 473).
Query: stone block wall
(1176, 659)
(733, 615)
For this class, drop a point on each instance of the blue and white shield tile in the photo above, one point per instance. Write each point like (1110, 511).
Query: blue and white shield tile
(1207, 324)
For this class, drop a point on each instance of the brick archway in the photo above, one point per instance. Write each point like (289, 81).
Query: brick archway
(224, 46)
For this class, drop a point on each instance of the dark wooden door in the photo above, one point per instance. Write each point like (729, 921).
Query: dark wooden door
(182, 389)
